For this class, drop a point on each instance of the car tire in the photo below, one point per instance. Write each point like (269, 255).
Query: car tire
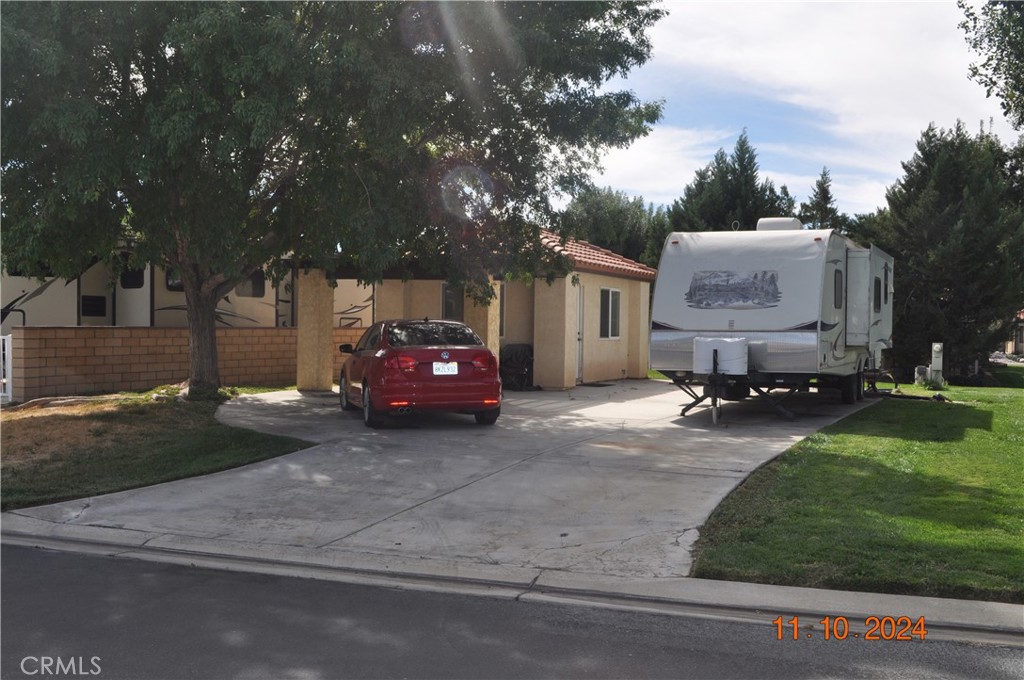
(487, 417)
(371, 417)
(346, 405)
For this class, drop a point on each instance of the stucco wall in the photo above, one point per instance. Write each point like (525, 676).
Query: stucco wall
(518, 313)
(625, 356)
(554, 334)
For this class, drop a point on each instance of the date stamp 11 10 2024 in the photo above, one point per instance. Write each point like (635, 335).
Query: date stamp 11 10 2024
(871, 628)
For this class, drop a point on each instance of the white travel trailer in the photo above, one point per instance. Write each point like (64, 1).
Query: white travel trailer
(153, 296)
(780, 307)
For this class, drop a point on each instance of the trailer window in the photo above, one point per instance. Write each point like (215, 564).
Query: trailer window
(255, 286)
(878, 295)
(133, 278)
(610, 309)
(173, 281)
(94, 305)
(839, 289)
(885, 288)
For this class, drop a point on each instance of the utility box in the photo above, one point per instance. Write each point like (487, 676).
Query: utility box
(935, 370)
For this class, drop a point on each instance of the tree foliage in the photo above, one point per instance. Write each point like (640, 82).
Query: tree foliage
(955, 225)
(996, 32)
(610, 219)
(215, 138)
(820, 210)
(729, 191)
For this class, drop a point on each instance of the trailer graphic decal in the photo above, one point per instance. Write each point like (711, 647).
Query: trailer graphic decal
(734, 290)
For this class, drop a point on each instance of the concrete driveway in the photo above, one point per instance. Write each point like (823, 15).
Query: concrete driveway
(604, 481)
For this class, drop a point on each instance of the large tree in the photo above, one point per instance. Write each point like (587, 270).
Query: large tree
(996, 32)
(217, 138)
(955, 225)
(729, 192)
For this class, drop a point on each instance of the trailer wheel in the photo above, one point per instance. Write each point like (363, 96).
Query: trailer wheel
(848, 388)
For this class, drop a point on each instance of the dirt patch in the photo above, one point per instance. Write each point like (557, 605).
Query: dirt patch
(32, 435)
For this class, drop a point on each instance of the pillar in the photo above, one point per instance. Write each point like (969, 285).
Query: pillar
(485, 320)
(315, 320)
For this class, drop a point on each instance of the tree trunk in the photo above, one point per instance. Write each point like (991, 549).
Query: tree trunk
(204, 372)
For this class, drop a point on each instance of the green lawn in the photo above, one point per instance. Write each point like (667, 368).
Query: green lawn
(912, 497)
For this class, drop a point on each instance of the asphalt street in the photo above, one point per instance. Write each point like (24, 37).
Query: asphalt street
(117, 618)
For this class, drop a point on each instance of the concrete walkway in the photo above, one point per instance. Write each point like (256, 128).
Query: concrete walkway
(595, 494)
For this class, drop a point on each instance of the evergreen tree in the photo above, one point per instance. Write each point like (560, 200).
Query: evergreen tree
(728, 192)
(820, 211)
(955, 225)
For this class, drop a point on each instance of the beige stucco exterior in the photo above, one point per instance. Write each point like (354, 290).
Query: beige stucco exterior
(546, 316)
(559, 339)
(315, 348)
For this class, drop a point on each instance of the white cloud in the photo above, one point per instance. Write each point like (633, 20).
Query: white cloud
(658, 166)
(870, 78)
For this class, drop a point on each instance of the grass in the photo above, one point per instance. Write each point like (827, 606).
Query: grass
(106, 445)
(908, 497)
(1008, 375)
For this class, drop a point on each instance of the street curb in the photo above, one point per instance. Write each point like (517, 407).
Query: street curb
(946, 619)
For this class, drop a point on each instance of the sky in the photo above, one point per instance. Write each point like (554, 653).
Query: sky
(844, 85)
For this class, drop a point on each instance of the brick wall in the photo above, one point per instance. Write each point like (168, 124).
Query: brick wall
(58, 361)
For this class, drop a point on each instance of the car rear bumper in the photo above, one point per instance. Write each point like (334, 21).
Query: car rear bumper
(455, 397)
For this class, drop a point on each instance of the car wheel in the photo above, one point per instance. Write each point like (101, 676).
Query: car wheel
(371, 417)
(346, 405)
(487, 417)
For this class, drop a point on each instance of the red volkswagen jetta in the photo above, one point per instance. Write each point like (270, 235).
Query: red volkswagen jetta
(401, 367)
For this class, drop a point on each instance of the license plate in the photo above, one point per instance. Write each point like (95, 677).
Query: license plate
(446, 368)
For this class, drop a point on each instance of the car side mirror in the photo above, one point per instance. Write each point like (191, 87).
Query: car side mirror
(345, 349)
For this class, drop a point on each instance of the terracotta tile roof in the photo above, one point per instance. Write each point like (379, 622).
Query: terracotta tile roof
(587, 257)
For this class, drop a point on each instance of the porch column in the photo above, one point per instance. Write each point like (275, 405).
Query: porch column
(315, 319)
(486, 321)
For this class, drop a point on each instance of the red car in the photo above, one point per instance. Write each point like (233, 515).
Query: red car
(402, 367)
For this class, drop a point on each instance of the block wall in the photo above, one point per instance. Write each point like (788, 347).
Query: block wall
(60, 361)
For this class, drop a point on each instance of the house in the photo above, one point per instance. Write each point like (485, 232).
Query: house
(591, 326)
(588, 327)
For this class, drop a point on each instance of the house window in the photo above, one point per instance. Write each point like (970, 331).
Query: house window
(254, 287)
(839, 289)
(610, 309)
(452, 298)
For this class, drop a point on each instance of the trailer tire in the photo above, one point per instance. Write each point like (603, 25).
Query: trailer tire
(848, 388)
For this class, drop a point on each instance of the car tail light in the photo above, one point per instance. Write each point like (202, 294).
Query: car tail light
(485, 362)
(403, 363)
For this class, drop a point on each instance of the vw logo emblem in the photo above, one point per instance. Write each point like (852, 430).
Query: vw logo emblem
(445, 355)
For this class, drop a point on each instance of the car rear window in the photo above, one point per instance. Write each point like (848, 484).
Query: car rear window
(432, 334)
